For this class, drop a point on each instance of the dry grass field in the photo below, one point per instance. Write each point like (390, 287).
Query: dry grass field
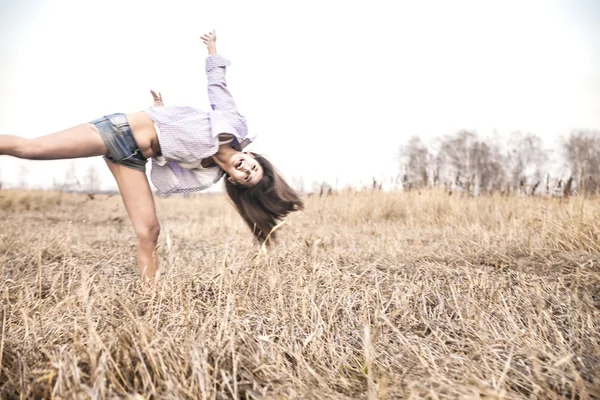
(368, 295)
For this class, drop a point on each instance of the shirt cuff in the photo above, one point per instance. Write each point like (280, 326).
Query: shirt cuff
(216, 60)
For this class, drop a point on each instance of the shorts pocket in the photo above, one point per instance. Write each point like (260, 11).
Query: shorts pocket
(119, 121)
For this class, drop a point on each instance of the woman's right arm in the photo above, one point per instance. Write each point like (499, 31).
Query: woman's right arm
(158, 101)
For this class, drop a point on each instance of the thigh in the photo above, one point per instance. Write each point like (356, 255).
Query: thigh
(137, 197)
(79, 141)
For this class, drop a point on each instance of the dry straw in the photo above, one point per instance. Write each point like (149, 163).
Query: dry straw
(366, 295)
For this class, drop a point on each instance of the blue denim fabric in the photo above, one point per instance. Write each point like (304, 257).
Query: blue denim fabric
(120, 143)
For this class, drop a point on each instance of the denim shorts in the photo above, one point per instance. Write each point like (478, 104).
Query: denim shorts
(120, 143)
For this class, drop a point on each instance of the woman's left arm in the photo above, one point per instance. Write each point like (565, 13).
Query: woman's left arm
(218, 94)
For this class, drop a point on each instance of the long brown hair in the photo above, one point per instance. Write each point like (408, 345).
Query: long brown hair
(265, 204)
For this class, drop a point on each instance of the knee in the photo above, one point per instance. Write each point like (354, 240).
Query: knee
(148, 234)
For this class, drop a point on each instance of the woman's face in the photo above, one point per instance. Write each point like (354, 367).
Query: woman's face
(244, 170)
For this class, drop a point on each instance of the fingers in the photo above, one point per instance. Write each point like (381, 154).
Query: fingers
(210, 36)
(158, 101)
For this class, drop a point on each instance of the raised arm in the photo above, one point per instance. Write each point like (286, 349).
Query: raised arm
(219, 96)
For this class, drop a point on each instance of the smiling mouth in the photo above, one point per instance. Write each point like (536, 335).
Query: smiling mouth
(239, 164)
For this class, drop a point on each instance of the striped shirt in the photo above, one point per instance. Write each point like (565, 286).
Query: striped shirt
(187, 135)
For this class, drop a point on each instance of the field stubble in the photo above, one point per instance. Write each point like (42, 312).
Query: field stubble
(367, 295)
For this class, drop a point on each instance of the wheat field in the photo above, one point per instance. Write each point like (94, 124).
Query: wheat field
(368, 295)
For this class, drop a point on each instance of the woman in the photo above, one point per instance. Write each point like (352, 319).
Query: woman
(190, 151)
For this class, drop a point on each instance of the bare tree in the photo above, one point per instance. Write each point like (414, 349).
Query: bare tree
(416, 160)
(471, 163)
(92, 180)
(322, 188)
(581, 149)
(298, 184)
(453, 157)
(22, 178)
(487, 167)
(71, 182)
(524, 159)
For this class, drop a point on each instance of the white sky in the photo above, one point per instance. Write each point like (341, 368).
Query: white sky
(332, 88)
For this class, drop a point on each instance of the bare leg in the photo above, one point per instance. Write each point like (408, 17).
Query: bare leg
(139, 203)
(76, 142)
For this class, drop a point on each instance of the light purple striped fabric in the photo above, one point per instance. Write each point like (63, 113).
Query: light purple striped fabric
(188, 135)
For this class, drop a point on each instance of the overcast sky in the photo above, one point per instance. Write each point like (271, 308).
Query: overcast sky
(332, 88)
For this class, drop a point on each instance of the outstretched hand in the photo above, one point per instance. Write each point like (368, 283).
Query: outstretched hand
(210, 40)
(158, 101)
